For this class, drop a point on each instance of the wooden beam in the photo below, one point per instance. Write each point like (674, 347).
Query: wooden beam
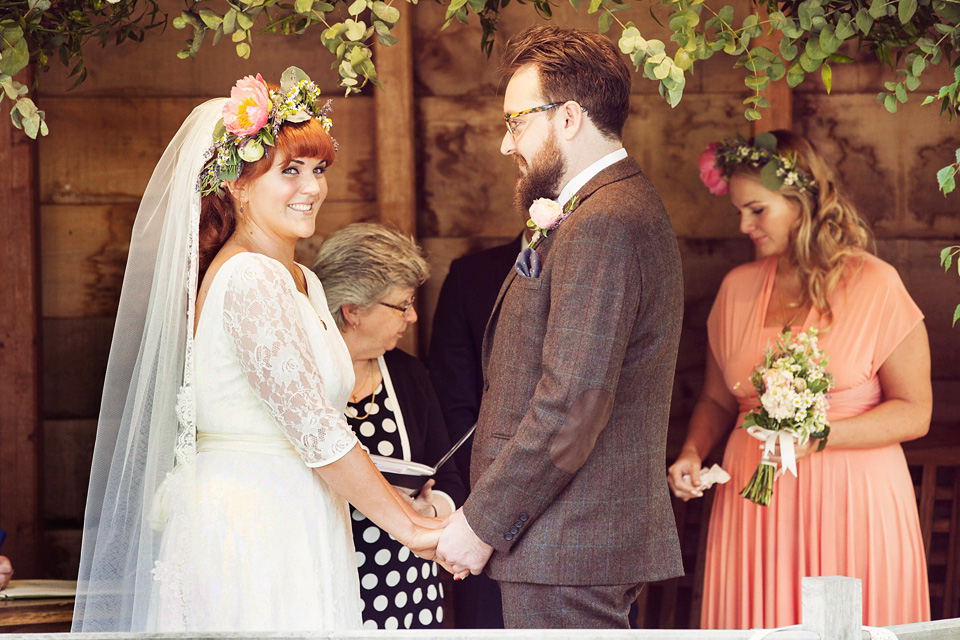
(19, 347)
(394, 150)
(780, 113)
(393, 107)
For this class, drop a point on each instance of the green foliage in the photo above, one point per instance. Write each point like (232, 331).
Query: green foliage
(947, 256)
(34, 31)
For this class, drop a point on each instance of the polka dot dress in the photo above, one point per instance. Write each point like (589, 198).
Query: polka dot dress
(399, 590)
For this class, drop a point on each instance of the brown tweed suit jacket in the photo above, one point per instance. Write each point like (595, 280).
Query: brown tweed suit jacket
(568, 467)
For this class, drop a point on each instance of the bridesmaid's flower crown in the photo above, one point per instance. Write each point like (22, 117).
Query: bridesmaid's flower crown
(720, 159)
(252, 118)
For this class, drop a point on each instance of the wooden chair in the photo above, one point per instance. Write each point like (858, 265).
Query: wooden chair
(936, 474)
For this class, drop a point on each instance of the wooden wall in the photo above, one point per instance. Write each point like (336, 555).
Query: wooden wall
(106, 136)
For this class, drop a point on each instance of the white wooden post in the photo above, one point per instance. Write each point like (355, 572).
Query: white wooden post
(832, 606)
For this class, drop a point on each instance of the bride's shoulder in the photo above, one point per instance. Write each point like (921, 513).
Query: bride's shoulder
(243, 262)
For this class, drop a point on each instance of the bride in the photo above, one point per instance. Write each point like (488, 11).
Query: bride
(223, 461)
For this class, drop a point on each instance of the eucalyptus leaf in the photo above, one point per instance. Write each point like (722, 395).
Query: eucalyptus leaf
(889, 102)
(751, 114)
(769, 177)
(956, 312)
(864, 21)
(244, 21)
(826, 74)
(385, 12)
(243, 50)
(878, 9)
(355, 29)
(946, 179)
(210, 18)
(787, 49)
(913, 82)
(15, 59)
(901, 92)
(906, 9)
(604, 22)
(230, 21)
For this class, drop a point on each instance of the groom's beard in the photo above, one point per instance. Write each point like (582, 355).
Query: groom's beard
(544, 173)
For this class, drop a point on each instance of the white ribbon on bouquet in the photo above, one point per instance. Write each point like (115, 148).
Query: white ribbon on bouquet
(770, 440)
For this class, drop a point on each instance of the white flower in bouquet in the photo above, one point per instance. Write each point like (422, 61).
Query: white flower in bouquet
(792, 385)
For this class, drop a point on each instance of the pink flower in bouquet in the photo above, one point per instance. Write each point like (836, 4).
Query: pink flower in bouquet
(710, 173)
(248, 108)
(545, 213)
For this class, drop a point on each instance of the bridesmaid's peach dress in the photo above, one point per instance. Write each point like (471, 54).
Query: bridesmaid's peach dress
(851, 512)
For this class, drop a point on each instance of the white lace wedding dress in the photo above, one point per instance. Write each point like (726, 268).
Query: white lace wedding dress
(259, 542)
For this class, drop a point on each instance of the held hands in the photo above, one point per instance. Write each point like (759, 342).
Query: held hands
(460, 550)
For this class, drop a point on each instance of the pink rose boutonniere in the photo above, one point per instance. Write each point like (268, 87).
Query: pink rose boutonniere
(545, 214)
(710, 174)
(248, 108)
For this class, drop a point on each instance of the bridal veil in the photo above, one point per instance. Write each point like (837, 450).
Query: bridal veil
(143, 431)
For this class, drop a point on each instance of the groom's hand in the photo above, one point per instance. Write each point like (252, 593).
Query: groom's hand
(460, 548)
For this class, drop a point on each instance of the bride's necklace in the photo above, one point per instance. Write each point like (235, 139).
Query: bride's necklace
(373, 390)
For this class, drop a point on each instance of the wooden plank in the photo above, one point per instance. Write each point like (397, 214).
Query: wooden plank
(83, 162)
(216, 69)
(468, 185)
(27, 616)
(19, 348)
(67, 454)
(396, 170)
(779, 115)
(74, 362)
(84, 252)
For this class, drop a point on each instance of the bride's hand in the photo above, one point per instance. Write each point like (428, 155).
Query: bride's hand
(424, 542)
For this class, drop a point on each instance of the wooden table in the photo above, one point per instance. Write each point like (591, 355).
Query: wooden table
(48, 615)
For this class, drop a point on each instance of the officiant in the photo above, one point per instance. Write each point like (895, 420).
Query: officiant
(370, 275)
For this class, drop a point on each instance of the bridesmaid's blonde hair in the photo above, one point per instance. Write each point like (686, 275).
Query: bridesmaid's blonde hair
(829, 229)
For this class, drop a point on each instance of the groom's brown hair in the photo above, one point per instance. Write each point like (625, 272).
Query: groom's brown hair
(578, 65)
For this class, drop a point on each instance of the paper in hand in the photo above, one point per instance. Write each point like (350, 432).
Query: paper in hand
(713, 475)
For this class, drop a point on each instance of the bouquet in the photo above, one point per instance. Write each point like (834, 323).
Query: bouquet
(792, 384)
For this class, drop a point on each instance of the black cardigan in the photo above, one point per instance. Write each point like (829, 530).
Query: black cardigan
(423, 420)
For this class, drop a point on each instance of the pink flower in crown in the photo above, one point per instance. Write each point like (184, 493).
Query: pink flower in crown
(710, 173)
(248, 108)
(545, 213)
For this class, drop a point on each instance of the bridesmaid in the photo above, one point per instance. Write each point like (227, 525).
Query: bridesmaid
(851, 510)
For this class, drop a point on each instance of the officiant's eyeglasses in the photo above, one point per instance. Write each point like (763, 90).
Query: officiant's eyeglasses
(401, 308)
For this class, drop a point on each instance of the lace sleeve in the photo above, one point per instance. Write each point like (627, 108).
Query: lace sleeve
(260, 315)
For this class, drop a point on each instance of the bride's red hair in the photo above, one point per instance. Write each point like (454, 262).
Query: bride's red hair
(218, 217)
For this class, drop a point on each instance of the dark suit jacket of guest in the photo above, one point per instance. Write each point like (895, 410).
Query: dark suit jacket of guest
(463, 308)
(569, 455)
(423, 420)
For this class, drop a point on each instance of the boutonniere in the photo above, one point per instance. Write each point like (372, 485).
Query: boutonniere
(546, 214)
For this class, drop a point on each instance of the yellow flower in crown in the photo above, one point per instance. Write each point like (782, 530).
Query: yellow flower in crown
(248, 108)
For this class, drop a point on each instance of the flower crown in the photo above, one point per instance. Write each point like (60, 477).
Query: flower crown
(252, 118)
(719, 160)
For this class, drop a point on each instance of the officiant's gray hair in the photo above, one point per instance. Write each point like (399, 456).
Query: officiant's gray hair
(361, 262)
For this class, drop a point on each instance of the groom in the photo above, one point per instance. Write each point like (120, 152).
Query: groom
(569, 509)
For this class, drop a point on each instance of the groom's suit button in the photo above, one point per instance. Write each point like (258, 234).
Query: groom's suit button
(514, 530)
(508, 537)
(523, 516)
(518, 523)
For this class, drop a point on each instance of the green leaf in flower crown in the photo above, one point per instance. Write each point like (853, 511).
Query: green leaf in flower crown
(766, 140)
(769, 177)
(290, 77)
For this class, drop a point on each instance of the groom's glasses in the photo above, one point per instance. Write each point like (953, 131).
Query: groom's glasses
(401, 308)
(511, 118)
